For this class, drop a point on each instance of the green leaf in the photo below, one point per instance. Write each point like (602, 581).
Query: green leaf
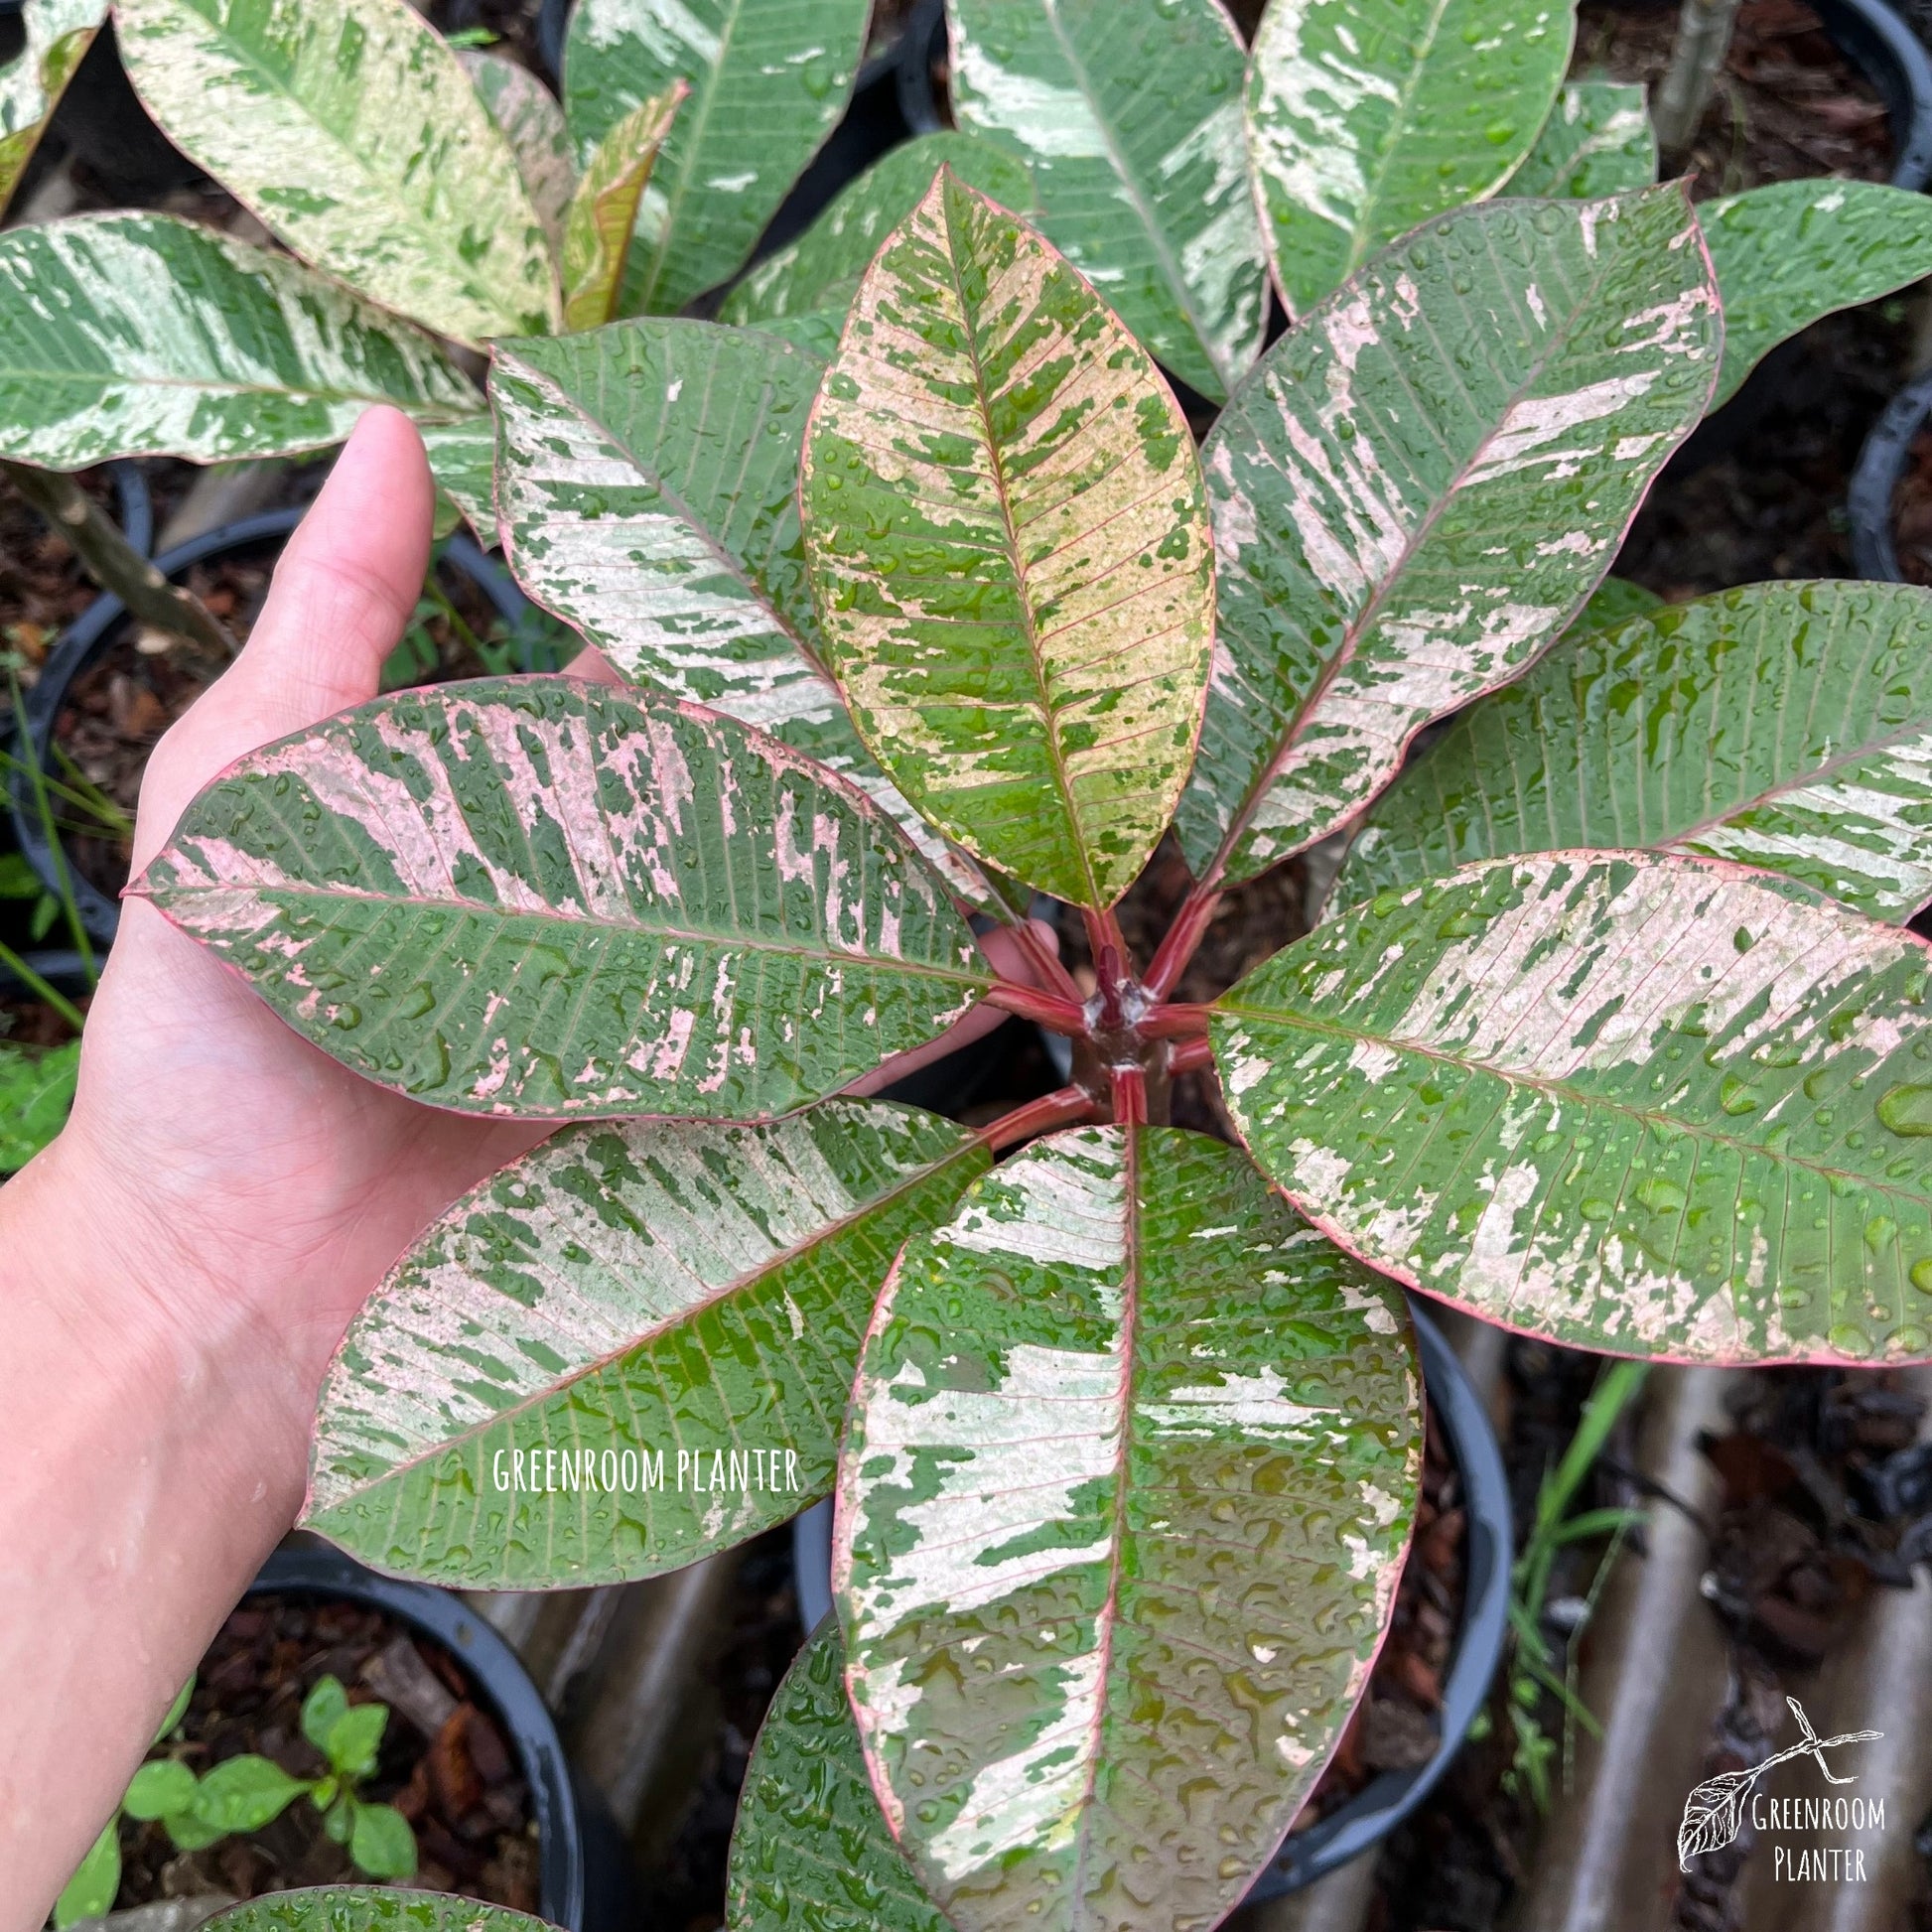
(463, 460)
(58, 34)
(1130, 114)
(352, 131)
(768, 81)
(681, 1292)
(1128, 1475)
(1598, 141)
(1614, 601)
(160, 1787)
(326, 1703)
(354, 1740)
(539, 898)
(532, 121)
(381, 1844)
(370, 1908)
(651, 497)
(89, 1893)
(817, 276)
(176, 1711)
(1362, 123)
(36, 1092)
(1787, 726)
(241, 1794)
(1789, 252)
(1009, 548)
(137, 334)
(1419, 487)
(602, 212)
(1656, 1106)
(811, 1850)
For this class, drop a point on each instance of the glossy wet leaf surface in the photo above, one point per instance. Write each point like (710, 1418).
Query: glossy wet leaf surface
(1365, 119)
(819, 273)
(1653, 1105)
(1419, 487)
(1128, 1474)
(532, 121)
(138, 334)
(649, 497)
(625, 1351)
(1794, 250)
(1786, 726)
(811, 1850)
(1129, 113)
(370, 1908)
(352, 130)
(1007, 545)
(542, 898)
(1598, 141)
(768, 81)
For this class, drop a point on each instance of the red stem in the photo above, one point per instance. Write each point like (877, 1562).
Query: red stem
(1130, 1096)
(1176, 1021)
(1182, 942)
(1059, 1109)
(1190, 1056)
(1045, 962)
(1047, 1008)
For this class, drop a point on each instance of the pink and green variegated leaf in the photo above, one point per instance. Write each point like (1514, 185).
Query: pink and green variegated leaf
(532, 121)
(1420, 485)
(1598, 141)
(811, 1850)
(540, 898)
(56, 33)
(1787, 726)
(1649, 1104)
(1128, 1475)
(627, 1349)
(350, 129)
(603, 212)
(1008, 549)
(649, 497)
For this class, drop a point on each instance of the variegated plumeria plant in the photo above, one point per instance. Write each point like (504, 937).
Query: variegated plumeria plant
(1125, 1426)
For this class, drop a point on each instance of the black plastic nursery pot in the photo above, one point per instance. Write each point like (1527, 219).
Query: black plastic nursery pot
(1375, 1811)
(583, 1878)
(84, 641)
(1874, 483)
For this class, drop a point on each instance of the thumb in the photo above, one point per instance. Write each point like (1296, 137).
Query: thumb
(341, 595)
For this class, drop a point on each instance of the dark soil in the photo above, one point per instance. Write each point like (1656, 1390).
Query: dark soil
(1913, 512)
(1789, 105)
(445, 1761)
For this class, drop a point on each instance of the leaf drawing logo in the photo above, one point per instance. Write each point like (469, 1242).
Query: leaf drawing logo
(1714, 1812)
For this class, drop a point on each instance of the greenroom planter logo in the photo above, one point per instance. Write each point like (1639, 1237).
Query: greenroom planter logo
(1717, 1809)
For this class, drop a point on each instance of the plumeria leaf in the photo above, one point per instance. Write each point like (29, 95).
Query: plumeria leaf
(1008, 549)
(138, 334)
(1362, 123)
(532, 121)
(1653, 1105)
(352, 130)
(768, 81)
(811, 282)
(602, 212)
(542, 898)
(1598, 141)
(1125, 1434)
(36, 1092)
(1788, 726)
(58, 34)
(660, 1320)
(1793, 250)
(1420, 485)
(371, 1909)
(463, 460)
(651, 497)
(1130, 114)
(811, 1850)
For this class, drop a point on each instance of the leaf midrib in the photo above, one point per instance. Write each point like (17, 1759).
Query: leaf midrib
(690, 1311)
(1562, 1089)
